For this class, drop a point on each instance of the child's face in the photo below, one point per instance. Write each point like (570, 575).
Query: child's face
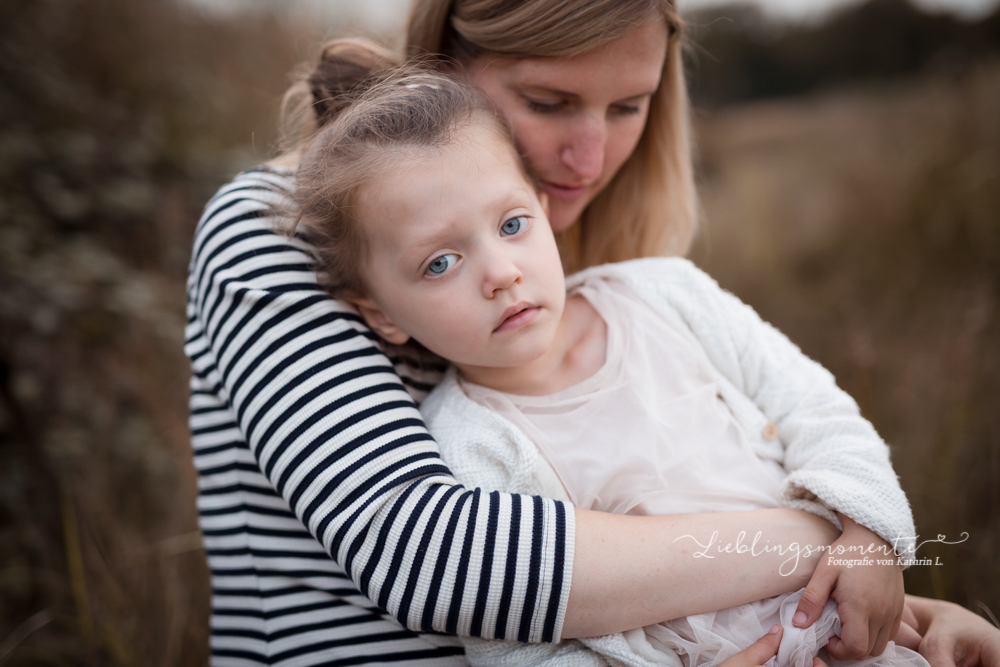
(462, 256)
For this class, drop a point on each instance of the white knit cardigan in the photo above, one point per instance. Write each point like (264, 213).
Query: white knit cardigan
(835, 460)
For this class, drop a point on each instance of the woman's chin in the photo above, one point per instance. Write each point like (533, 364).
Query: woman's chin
(564, 214)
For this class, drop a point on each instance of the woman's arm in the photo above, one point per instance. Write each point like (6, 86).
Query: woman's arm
(634, 571)
(291, 393)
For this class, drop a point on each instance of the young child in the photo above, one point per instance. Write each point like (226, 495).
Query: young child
(643, 389)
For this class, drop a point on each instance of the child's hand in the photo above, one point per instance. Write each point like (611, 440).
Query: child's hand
(869, 596)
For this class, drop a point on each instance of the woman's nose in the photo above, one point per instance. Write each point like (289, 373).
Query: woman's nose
(583, 152)
(501, 273)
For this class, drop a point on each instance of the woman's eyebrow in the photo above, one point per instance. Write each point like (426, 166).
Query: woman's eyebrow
(566, 93)
(547, 89)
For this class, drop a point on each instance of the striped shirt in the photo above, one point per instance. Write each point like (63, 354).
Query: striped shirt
(335, 533)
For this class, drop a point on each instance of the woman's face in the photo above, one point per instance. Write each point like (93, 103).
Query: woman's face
(576, 120)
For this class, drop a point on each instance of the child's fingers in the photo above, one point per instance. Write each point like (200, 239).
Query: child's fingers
(814, 597)
(818, 662)
(881, 630)
(852, 644)
(881, 640)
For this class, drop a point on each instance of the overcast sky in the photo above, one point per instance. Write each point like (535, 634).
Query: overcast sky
(388, 15)
(810, 9)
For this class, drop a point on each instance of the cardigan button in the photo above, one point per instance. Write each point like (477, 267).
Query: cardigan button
(770, 432)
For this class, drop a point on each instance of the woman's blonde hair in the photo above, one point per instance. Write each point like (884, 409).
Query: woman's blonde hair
(650, 207)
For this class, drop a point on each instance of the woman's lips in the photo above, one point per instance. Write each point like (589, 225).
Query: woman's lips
(564, 192)
(517, 316)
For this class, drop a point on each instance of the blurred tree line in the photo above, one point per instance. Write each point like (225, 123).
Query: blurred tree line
(850, 179)
(739, 55)
(120, 118)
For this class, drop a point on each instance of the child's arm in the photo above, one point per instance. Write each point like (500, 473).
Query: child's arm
(835, 459)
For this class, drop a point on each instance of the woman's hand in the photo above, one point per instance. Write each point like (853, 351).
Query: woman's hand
(866, 583)
(954, 636)
(761, 651)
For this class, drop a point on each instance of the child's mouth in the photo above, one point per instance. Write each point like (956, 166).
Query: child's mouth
(517, 316)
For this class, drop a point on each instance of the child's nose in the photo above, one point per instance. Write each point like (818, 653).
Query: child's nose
(501, 274)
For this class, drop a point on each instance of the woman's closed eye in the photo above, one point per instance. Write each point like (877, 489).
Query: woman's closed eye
(626, 109)
(514, 226)
(544, 107)
(441, 265)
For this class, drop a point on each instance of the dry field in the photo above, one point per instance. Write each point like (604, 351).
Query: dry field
(865, 223)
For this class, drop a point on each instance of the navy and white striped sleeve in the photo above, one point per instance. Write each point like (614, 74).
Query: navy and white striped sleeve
(290, 391)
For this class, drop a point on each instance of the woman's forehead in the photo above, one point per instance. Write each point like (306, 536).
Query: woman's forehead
(634, 60)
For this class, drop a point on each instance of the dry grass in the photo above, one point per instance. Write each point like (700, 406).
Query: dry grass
(863, 223)
(866, 225)
(118, 120)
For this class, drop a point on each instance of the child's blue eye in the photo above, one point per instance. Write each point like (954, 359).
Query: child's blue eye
(513, 226)
(441, 264)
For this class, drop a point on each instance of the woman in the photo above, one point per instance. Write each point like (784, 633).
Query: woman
(298, 419)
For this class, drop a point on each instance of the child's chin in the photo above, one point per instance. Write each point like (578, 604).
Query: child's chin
(510, 359)
(527, 355)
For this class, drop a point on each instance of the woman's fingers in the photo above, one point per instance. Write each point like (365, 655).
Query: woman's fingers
(989, 652)
(907, 636)
(939, 651)
(909, 618)
(759, 652)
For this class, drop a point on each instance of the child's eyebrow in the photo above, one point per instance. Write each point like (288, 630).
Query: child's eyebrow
(453, 229)
(420, 246)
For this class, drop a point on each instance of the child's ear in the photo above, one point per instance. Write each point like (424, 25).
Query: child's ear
(379, 322)
(543, 199)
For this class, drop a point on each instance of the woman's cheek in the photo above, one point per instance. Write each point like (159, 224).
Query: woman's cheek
(538, 144)
(624, 141)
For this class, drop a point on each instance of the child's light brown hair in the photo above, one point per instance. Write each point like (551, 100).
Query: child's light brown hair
(369, 116)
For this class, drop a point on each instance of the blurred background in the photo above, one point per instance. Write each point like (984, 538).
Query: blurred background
(849, 163)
